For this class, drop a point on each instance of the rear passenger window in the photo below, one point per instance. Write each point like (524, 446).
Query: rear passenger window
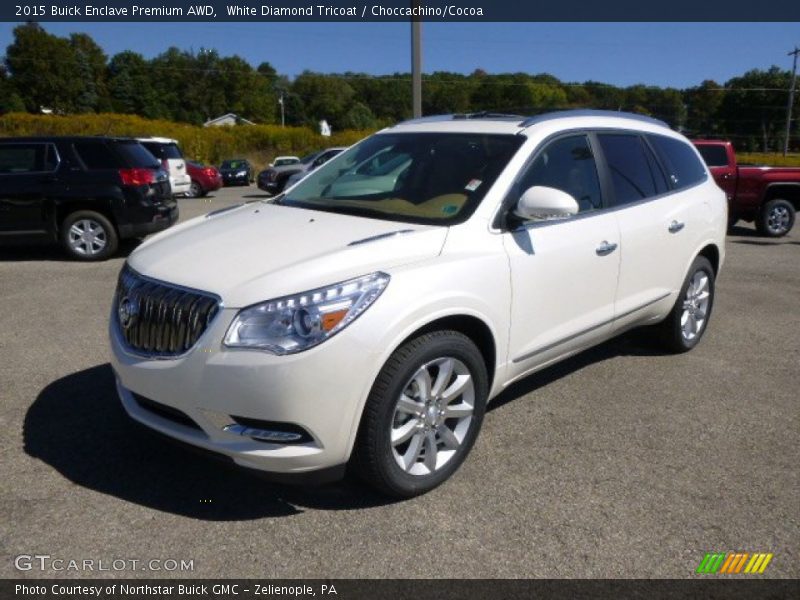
(567, 164)
(96, 155)
(684, 167)
(635, 175)
(21, 158)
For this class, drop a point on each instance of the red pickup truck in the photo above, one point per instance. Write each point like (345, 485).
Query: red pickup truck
(770, 196)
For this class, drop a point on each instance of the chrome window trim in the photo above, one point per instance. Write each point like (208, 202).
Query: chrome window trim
(498, 227)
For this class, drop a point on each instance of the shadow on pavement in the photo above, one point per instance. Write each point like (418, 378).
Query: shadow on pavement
(78, 426)
(54, 252)
(638, 342)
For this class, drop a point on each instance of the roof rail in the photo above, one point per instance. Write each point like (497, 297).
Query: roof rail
(484, 114)
(590, 113)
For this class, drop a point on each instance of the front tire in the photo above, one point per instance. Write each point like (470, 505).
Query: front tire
(687, 322)
(423, 414)
(776, 218)
(87, 235)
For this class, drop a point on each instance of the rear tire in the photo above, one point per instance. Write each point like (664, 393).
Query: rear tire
(87, 235)
(423, 414)
(776, 218)
(687, 321)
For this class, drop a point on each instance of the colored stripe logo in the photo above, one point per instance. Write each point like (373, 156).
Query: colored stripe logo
(732, 563)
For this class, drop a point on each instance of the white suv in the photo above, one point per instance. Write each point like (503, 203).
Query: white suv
(169, 153)
(369, 326)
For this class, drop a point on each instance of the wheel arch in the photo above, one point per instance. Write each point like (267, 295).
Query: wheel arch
(63, 210)
(469, 325)
(711, 252)
(784, 191)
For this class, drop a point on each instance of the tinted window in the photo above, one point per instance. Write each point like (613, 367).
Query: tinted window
(96, 155)
(21, 158)
(135, 155)
(683, 166)
(567, 164)
(234, 164)
(715, 156)
(51, 158)
(162, 151)
(634, 173)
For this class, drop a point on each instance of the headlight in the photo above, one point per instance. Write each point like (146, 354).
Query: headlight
(295, 323)
(241, 173)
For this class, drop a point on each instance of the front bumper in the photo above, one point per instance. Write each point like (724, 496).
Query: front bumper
(235, 180)
(211, 385)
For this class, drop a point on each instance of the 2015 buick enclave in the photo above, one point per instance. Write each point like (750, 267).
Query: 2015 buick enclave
(367, 316)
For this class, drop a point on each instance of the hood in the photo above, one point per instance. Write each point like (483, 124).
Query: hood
(259, 251)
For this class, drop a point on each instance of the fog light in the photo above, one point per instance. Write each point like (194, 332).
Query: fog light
(263, 435)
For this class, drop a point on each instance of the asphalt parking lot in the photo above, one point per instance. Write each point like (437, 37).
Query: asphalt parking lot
(621, 462)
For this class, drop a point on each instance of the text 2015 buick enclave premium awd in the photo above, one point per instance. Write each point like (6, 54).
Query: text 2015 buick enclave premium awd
(366, 316)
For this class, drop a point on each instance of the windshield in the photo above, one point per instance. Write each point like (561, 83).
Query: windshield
(310, 157)
(234, 164)
(437, 178)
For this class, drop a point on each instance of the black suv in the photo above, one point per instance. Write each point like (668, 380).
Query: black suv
(86, 192)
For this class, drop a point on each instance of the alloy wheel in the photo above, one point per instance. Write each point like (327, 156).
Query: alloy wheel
(87, 237)
(695, 306)
(778, 220)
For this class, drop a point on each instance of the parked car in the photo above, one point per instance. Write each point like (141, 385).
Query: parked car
(237, 171)
(274, 179)
(169, 153)
(370, 328)
(85, 192)
(204, 179)
(282, 161)
(770, 196)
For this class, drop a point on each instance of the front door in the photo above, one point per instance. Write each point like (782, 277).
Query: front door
(563, 272)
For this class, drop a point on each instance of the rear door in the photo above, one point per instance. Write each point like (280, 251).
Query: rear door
(658, 216)
(27, 174)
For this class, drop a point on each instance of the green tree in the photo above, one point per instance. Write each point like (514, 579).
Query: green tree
(93, 64)
(44, 69)
(130, 87)
(325, 97)
(703, 103)
(753, 110)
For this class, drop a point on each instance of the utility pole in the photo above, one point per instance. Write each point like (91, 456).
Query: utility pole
(283, 118)
(789, 106)
(416, 62)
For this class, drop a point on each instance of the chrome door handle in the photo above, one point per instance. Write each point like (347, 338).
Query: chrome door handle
(676, 226)
(605, 248)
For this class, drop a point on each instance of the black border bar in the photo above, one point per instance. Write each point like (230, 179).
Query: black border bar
(399, 10)
(711, 587)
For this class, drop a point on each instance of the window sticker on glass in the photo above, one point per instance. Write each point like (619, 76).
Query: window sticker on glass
(473, 185)
(450, 209)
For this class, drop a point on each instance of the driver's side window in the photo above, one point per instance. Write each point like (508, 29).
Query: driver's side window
(567, 164)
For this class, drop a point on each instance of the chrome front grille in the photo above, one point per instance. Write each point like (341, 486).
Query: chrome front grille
(159, 319)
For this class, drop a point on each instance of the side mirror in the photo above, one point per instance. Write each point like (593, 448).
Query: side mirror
(545, 203)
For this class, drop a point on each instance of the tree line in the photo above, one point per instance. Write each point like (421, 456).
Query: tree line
(73, 75)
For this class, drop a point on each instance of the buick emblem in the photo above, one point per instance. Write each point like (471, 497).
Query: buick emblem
(126, 312)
